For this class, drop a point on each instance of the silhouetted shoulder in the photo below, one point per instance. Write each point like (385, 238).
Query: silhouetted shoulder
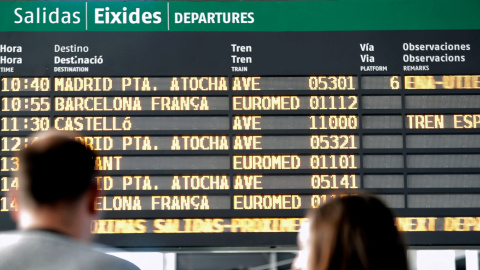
(41, 250)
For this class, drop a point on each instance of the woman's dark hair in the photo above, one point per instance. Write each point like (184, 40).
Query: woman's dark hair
(355, 233)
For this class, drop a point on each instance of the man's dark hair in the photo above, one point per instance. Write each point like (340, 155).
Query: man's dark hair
(56, 168)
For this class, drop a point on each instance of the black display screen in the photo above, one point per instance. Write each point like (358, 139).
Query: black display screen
(224, 138)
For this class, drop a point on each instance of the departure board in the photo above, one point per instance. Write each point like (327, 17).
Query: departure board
(220, 124)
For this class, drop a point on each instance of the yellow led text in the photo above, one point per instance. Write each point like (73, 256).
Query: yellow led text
(83, 84)
(248, 182)
(246, 83)
(109, 226)
(462, 224)
(266, 103)
(97, 104)
(118, 203)
(248, 202)
(108, 163)
(96, 142)
(247, 142)
(249, 225)
(416, 224)
(180, 104)
(137, 143)
(180, 203)
(266, 162)
(426, 121)
(198, 84)
(443, 82)
(462, 121)
(199, 143)
(93, 123)
(104, 182)
(246, 122)
(200, 182)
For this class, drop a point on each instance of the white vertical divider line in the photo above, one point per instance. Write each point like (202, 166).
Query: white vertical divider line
(435, 260)
(168, 16)
(86, 15)
(169, 261)
(471, 260)
(273, 261)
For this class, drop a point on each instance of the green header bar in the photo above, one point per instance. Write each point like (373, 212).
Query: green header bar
(273, 16)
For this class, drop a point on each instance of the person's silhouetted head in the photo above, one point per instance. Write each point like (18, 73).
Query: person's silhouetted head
(55, 168)
(351, 233)
(56, 199)
(56, 185)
